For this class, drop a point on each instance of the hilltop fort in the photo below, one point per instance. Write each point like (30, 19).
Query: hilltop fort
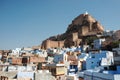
(82, 26)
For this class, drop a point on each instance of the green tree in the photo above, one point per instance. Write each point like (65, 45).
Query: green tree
(90, 40)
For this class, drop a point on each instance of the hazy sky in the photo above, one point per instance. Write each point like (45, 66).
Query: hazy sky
(25, 23)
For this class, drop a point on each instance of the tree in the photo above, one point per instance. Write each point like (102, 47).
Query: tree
(90, 39)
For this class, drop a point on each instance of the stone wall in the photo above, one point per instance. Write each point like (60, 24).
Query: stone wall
(71, 40)
(52, 44)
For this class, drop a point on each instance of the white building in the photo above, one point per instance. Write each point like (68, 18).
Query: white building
(96, 59)
(108, 33)
(25, 75)
(15, 52)
(101, 74)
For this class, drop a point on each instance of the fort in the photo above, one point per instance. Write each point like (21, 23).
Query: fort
(82, 26)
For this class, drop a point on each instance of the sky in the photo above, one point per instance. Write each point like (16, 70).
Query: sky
(26, 23)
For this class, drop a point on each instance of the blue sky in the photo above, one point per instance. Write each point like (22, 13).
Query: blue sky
(25, 23)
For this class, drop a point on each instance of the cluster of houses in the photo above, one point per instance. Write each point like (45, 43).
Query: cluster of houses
(73, 63)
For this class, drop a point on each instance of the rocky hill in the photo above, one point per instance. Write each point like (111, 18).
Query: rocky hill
(83, 25)
(116, 35)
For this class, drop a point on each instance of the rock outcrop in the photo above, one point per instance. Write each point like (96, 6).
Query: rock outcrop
(83, 25)
(112, 41)
(116, 35)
